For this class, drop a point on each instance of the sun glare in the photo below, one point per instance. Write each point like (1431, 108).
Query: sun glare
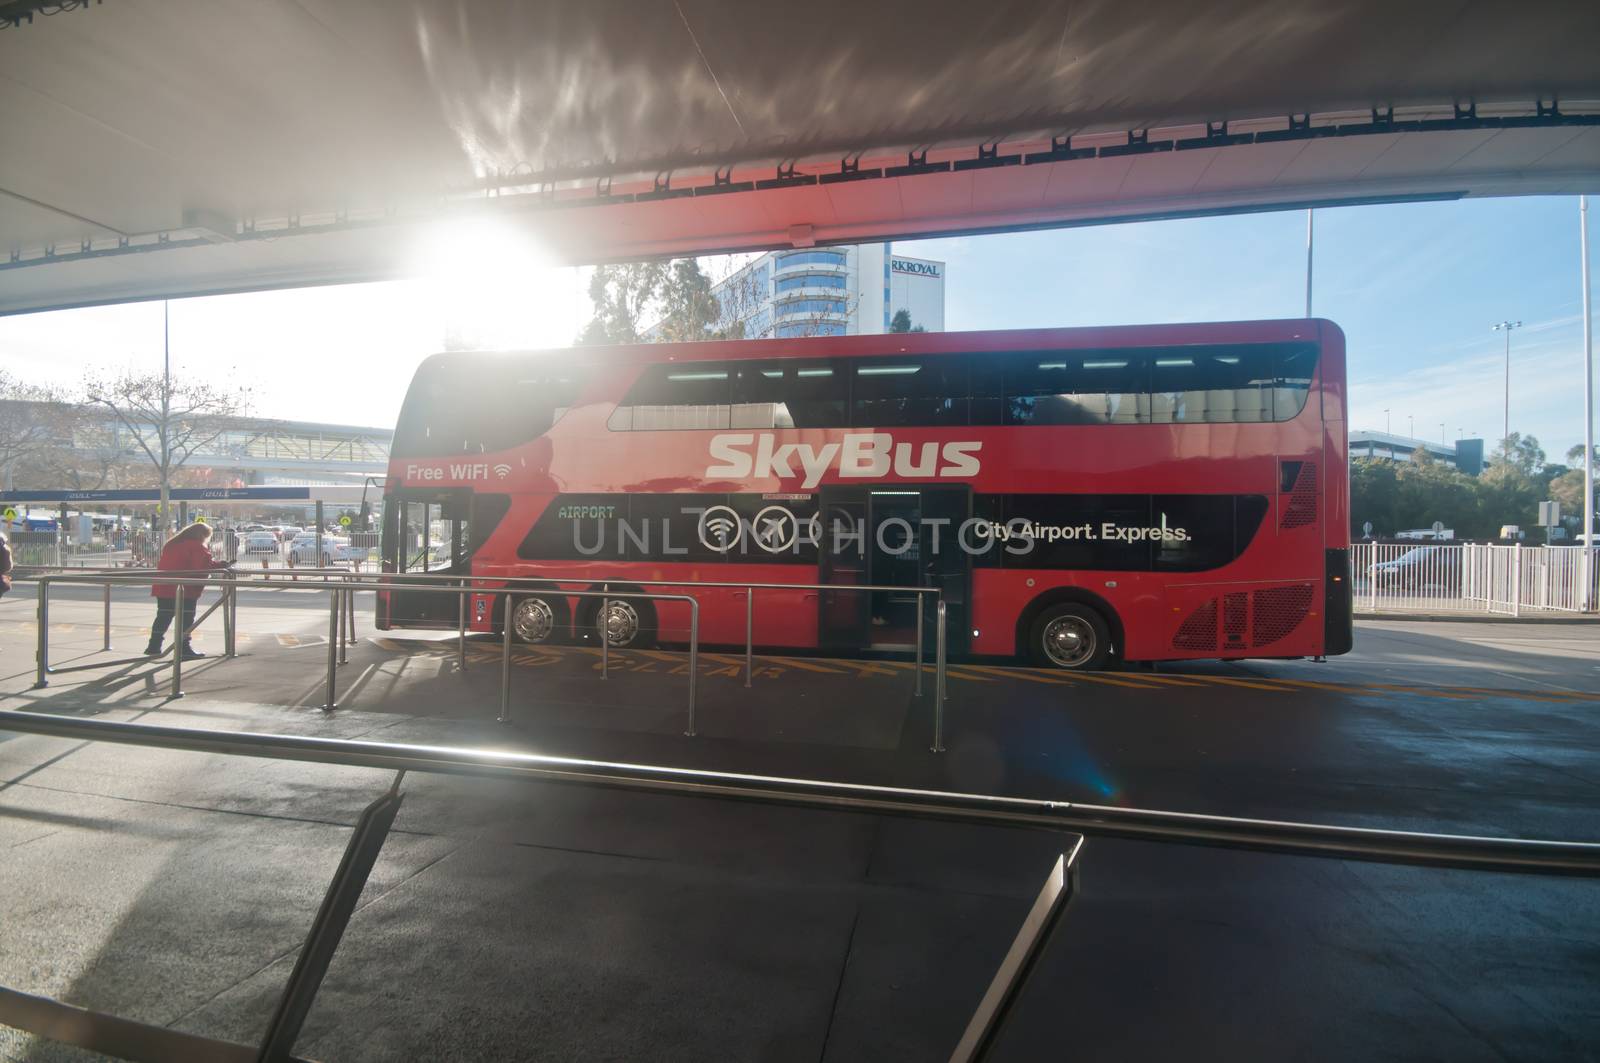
(496, 287)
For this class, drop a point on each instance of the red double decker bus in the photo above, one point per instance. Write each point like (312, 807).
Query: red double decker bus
(1076, 495)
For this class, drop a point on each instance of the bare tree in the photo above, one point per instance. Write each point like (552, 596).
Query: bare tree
(74, 452)
(169, 422)
(26, 424)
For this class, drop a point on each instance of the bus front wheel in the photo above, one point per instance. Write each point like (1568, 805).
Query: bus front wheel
(538, 620)
(1071, 635)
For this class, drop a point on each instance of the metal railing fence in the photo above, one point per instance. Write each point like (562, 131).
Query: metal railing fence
(342, 586)
(341, 614)
(532, 584)
(1481, 578)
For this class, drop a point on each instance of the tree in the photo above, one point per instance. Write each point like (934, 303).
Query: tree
(27, 423)
(689, 311)
(75, 456)
(167, 421)
(901, 322)
(1567, 489)
(675, 295)
(622, 296)
(1520, 452)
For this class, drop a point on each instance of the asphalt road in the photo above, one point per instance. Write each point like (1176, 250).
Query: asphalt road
(542, 922)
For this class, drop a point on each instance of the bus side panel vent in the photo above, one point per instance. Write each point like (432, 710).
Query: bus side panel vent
(1277, 611)
(1301, 509)
(1199, 631)
(1233, 620)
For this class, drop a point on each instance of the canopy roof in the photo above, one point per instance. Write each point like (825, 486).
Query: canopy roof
(151, 148)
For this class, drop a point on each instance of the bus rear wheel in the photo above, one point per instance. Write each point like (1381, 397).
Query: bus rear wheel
(538, 620)
(1070, 636)
(625, 623)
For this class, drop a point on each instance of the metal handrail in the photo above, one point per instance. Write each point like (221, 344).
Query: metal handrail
(1420, 848)
(340, 595)
(386, 580)
(341, 624)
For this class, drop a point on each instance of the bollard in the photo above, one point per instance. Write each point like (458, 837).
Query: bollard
(461, 630)
(505, 666)
(938, 680)
(694, 658)
(181, 634)
(42, 652)
(105, 639)
(922, 607)
(227, 621)
(333, 650)
(749, 634)
(233, 618)
(605, 637)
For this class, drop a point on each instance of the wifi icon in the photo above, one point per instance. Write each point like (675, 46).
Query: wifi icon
(720, 529)
(502, 471)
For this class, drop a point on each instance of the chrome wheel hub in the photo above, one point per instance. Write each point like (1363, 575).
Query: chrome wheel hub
(534, 620)
(1069, 641)
(620, 622)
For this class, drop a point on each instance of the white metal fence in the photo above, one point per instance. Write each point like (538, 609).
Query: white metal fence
(1474, 578)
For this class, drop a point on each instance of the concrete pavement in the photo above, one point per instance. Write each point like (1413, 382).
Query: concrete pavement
(542, 922)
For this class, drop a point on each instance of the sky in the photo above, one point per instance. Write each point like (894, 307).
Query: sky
(1415, 287)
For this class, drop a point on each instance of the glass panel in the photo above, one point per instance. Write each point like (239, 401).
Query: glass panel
(812, 258)
(804, 329)
(693, 395)
(812, 306)
(911, 391)
(1077, 388)
(790, 395)
(481, 403)
(1292, 381)
(810, 280)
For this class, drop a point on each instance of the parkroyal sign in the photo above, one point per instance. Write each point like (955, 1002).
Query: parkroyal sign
(858, 456)
(921, 269)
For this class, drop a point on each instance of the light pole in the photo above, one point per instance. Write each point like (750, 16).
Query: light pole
(1506, 327)
(1411, 426)
(1308, 262)
(1386, 423)
(1587, 553)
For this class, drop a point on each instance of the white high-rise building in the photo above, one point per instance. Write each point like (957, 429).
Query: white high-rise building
(832, 291)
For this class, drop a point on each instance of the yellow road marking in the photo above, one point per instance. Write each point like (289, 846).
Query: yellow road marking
(1228, 680)
(1032, 677)
(1117, 682)
(866, 668)
(1167, 680)
(804, 666)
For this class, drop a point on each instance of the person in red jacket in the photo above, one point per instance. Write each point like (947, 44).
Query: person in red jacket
(186, 554)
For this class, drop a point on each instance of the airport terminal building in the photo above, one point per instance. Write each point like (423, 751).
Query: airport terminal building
(832, 291)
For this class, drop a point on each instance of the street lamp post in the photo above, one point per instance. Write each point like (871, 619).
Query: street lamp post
(1506, 327)
(1587, 553)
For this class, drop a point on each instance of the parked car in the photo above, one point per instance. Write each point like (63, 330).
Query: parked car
(261, 542)
(1435, 569)
(289, 532)
(334, 551)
